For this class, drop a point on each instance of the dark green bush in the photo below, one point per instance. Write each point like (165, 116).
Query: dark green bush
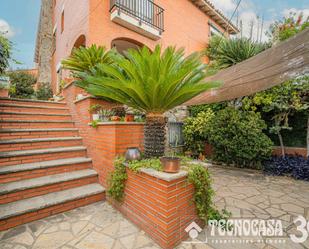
(238, 138)
(22, 85)
(44, 92)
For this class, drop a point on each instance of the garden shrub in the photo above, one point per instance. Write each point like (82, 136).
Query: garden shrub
(22, 85)
(196, 109)
(290, 165)
(196, 131)
(237, 138)
(44, 92)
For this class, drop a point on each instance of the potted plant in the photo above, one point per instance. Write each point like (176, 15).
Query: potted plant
(171, 163)
(138, 115)
(129, 117)
(115, 118)
(94, 109)
(105, 114)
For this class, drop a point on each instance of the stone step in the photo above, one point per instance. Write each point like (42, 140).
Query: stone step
(32, 108)
(30, 156)
(39, 169)
(12, 187)
(37, 133)
(34, 116)
(35, 124)
(4, 100)
(23, 211)
(43, 165)
(39, 143)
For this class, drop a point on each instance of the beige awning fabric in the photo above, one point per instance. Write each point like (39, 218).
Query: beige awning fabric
(282, 62)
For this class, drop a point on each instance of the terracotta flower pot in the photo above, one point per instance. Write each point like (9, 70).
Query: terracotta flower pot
(170, 164)
(129, 118)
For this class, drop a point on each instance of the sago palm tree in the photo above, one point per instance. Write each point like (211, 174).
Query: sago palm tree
(84, 59)
(152, 82)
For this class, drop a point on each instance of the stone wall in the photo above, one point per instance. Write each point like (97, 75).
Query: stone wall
(44, 42)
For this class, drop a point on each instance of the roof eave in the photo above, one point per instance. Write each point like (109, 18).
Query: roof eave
(209, 9)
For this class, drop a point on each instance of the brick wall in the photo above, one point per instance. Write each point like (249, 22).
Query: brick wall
(4, 92)
(162, 208)
(290, 151)
(106, 141)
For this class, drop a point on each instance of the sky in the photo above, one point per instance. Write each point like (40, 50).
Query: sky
(19, 19)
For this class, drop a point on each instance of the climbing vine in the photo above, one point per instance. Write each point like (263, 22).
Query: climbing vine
(117, 179)
(199, 176)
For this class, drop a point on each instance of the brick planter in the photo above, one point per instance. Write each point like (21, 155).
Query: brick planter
(160, 204)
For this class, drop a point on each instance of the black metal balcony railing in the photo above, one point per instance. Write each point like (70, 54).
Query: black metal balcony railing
(144, 10)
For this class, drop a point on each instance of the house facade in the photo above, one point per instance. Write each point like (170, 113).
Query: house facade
(123, 24)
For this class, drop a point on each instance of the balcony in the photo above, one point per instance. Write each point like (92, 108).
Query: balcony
(142, 16)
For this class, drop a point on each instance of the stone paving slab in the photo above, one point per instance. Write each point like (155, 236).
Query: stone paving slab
(247, 194)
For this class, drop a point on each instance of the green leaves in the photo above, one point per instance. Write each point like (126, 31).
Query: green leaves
(22, 85)
(83, 60)
(151, 82)
(199, 176)
(196, 131)
(238, 138)
(117, 179)
(5, 53)
(225, 52)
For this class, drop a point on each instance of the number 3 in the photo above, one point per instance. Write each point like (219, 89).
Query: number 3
(302, 228)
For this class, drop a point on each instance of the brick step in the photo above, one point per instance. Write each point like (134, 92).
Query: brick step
(23, 211)
(38, 169)
(35, 124)
(18, 190)
(31, 156)
(34, 116)
(32, 108)
(37, 133)
(4, 100)
(39, 143)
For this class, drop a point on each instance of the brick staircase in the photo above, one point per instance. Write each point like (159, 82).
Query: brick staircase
(44, 167)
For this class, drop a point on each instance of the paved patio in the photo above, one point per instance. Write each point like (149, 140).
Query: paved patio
(246, 194)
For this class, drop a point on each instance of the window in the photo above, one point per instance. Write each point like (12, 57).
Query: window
(62, 21)
(214, 30)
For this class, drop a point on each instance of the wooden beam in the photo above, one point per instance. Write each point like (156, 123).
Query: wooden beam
(272, 67)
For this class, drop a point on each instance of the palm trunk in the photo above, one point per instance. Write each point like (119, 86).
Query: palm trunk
(154, 135)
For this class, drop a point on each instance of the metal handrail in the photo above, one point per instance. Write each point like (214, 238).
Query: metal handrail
(144, 10)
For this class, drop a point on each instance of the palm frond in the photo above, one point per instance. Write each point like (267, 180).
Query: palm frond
(151, 82)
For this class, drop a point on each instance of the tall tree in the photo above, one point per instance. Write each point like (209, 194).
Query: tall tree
(5, 52)
(282, 102)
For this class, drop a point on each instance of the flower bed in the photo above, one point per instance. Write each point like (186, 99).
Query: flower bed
(295, 166)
